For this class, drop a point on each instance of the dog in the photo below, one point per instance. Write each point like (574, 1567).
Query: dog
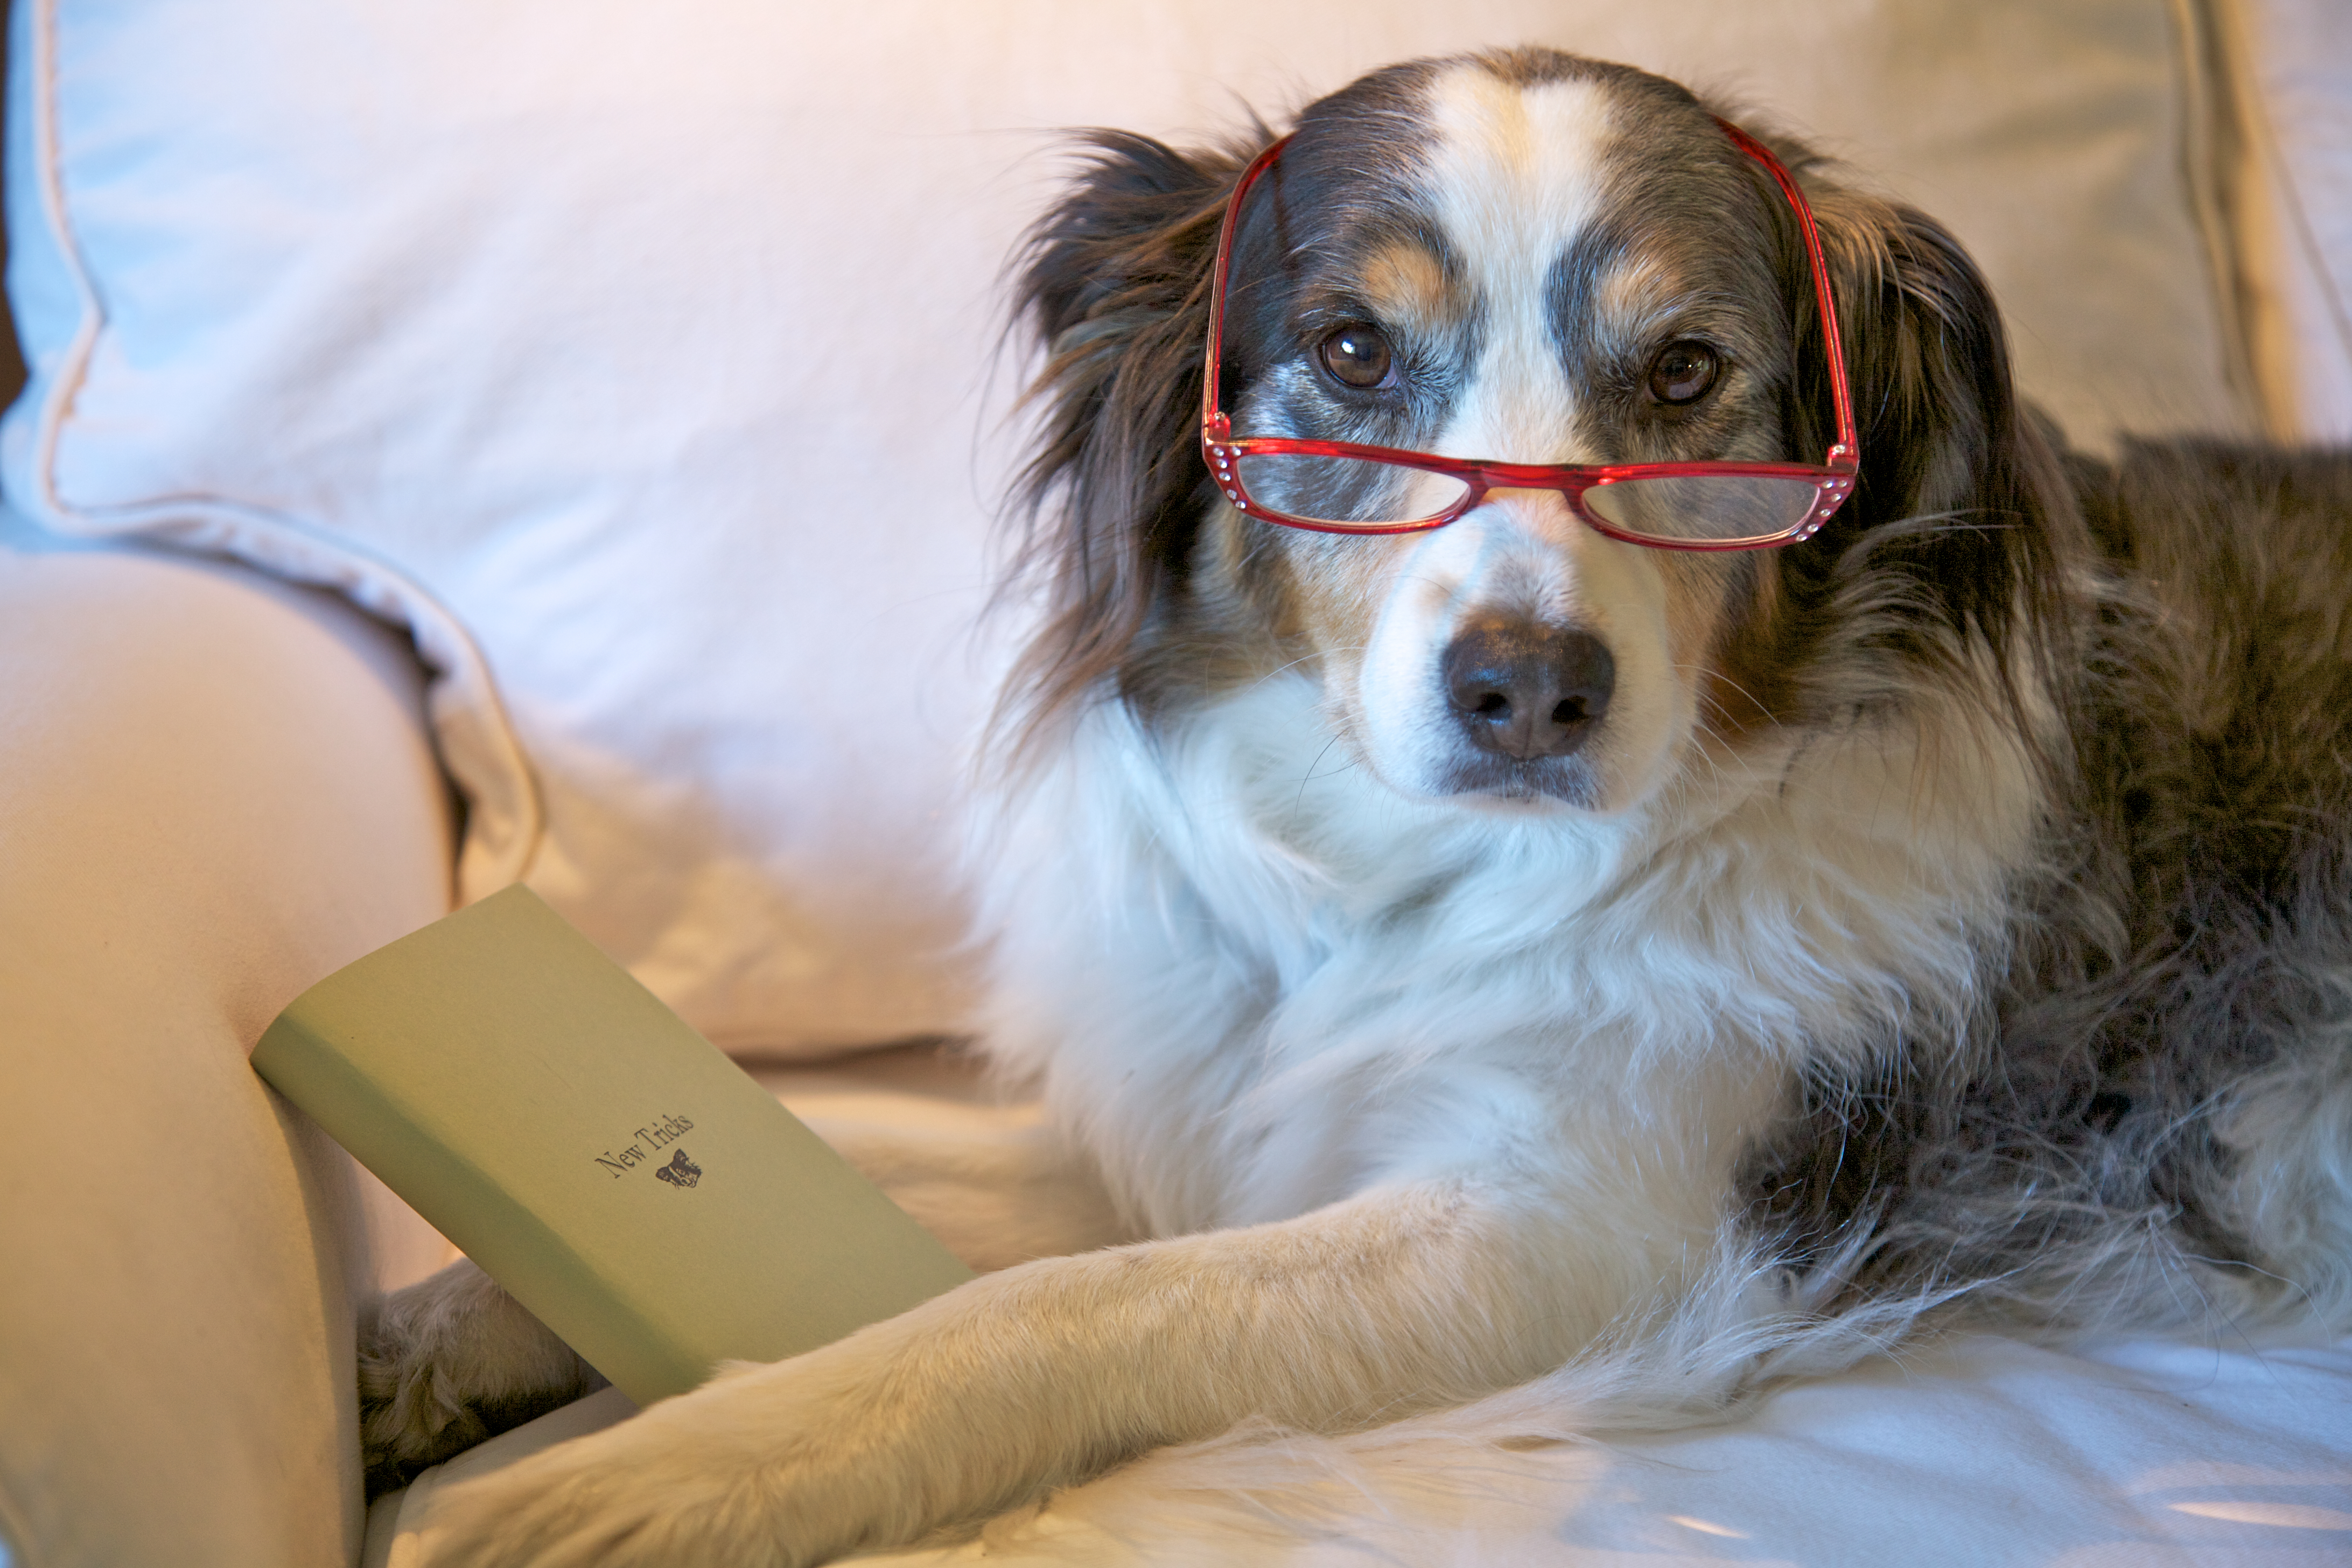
(1469, 913)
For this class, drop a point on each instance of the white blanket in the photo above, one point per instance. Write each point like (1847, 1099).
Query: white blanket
(1972, 1451)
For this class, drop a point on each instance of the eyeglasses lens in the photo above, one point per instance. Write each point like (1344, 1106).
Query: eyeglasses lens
(1349, 492)
(1355, 492)
(1714, 509)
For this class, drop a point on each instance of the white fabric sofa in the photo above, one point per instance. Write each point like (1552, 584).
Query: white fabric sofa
(623, 377)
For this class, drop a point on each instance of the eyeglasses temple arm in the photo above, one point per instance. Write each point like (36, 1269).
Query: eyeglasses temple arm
(1847, 453)
(1214, 426)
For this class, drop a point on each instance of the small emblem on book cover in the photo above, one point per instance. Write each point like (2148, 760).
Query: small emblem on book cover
(680, 1171)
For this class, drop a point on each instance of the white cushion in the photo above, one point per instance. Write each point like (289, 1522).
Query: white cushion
(642, 358)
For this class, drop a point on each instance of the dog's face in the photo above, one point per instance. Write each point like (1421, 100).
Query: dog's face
(1522, 257)
(1522, 267)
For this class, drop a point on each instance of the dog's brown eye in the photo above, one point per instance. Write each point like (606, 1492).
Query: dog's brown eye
(1683, 371)
(1357, 356)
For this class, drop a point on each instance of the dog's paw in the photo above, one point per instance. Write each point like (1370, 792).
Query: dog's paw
(905, 1427)
(778, 1466)
(449, 1362)
(660, 1489)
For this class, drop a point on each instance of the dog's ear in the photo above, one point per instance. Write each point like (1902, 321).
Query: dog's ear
(1961, 493)
(1114, 282)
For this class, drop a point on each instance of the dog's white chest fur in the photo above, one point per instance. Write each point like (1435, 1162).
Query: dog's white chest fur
(1251, 980)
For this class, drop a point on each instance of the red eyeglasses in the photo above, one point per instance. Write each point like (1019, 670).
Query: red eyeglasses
(1346, 487)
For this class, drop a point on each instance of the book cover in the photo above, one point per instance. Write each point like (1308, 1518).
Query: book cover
(612, 1169)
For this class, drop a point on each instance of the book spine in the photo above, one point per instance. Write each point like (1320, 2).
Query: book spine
(534, 1264)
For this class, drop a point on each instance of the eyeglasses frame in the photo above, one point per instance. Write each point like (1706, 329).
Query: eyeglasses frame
(1833, 478)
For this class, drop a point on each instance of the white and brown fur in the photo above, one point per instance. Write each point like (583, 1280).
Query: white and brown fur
(1945, 914)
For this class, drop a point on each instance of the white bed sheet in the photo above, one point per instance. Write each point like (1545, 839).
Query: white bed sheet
(1974, 1451)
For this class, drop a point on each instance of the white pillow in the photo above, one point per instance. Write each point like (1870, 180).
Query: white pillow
(641, 358)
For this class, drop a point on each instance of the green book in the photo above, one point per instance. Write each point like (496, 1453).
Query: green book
(607, 1165)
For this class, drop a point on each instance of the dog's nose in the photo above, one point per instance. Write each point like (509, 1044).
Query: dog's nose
(1527, 690)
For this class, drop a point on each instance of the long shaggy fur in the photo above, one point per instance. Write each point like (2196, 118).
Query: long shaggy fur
(2155, 1127)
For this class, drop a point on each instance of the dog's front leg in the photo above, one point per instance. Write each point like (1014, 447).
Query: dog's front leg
(1055, 1371)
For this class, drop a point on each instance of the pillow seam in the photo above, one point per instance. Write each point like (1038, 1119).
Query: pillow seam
(473, 735)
